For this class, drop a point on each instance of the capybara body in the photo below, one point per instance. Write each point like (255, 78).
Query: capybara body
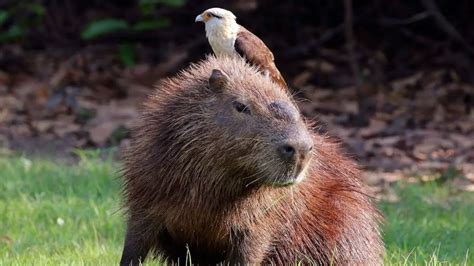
(222, 168)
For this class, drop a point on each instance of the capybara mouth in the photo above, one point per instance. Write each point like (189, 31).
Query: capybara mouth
(285, 182)
(293, 175)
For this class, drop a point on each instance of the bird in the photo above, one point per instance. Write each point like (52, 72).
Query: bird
(228, 38)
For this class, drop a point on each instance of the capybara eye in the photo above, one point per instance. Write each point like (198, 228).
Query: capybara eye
(241, 108)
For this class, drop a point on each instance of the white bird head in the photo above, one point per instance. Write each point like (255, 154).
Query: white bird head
(215, 14)
(217, 19)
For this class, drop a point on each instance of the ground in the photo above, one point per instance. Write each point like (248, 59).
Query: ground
(56, 213)
(52, 102)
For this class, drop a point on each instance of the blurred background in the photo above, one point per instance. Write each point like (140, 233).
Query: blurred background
(393, 80)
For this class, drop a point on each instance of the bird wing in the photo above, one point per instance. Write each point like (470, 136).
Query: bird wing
(249, 46)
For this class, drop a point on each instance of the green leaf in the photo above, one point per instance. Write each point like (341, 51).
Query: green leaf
(127, 54)
(147, 6)
(3, 16)
(173, 3)
(149, 2)
(101, 27)
(36, 8)
(15, 31)
(154, 24)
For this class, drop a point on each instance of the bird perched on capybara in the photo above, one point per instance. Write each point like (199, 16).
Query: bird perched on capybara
(227, 38)
(223, 168)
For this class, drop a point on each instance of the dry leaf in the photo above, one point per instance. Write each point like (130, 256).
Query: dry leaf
(375, 126)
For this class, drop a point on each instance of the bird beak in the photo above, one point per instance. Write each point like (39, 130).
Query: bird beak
(199, 18)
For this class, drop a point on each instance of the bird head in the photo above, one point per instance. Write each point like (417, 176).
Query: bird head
(216, 18)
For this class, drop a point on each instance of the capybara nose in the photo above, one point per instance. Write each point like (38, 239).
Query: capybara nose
(291, 150)
(286, 151)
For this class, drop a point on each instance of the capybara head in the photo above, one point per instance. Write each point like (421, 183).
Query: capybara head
(273, 142)
(221, 121)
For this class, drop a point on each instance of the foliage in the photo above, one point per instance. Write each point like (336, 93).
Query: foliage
(54, 213)
(22, 16)
(148, 6)
(151, 24)
(103, 26)
(126, 51)
(3, 16)
(173, 3)
(127, 54)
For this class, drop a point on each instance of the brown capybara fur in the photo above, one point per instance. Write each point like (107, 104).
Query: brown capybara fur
(222, 168)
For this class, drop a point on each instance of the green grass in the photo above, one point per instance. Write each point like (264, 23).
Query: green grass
(36, 195)
(429, 225)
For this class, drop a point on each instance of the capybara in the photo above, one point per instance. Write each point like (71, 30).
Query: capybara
(222, 168)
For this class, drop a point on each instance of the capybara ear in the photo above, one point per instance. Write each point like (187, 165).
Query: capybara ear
(217, 80)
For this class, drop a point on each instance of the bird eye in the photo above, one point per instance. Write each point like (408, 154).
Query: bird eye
(241, 108)
(214, 15)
